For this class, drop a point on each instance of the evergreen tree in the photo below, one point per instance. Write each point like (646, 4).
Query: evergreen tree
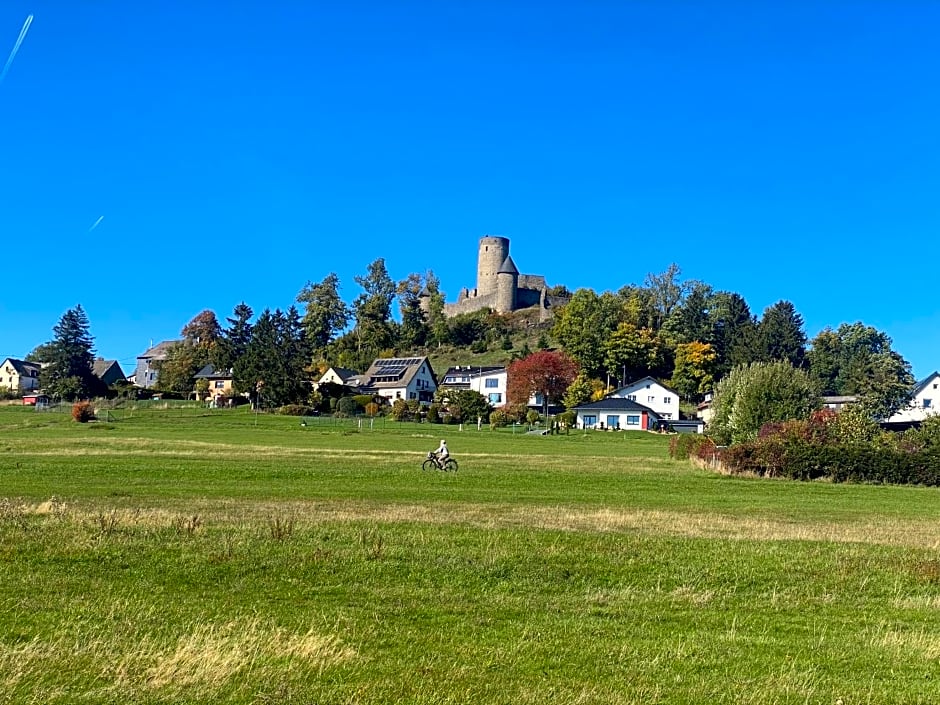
(780, 335)
(690, 321)
(234, 340)
(732, 327)
(272, 369)
(70, 357)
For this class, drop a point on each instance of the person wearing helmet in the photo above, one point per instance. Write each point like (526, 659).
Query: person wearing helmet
(442, 454)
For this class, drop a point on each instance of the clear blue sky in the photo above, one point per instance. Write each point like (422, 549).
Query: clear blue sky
(237, 150)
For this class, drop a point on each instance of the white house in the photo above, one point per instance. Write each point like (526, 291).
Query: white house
(924, 401)
(491, 383)
(615, 413)
(19, 375)
(657, 397)
(396, 378)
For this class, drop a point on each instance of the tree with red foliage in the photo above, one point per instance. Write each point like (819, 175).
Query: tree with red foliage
(545, 372)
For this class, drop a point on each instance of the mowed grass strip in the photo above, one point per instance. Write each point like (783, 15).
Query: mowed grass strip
(290, 566)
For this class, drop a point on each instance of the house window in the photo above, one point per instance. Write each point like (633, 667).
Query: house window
(412, 395)
(496, 398)
(650, 398)
(492, 383)
(666, 416)
(220, 384)
(590, 421)
(667, 400)
(631, 397)
(633, 419)
(926, 403)
(613, 421)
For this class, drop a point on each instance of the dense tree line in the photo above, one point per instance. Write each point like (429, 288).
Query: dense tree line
(682, 332)
(691, 336)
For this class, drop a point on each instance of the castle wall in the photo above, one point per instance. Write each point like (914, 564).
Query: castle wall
(528, 297)
(470, 305)
(532, 281)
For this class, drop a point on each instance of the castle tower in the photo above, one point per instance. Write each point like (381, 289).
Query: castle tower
(493, 252)
(507, 281)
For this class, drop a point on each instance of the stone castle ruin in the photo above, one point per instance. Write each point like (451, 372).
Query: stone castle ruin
(500, 287)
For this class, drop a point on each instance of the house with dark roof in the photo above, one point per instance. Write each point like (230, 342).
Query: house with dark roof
(19, 375)
(220, 383)
(616, 414)
(108, 371)
(407, 378)
(148, 363)
(339, 375)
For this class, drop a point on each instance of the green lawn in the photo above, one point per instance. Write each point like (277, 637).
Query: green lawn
(181, 555)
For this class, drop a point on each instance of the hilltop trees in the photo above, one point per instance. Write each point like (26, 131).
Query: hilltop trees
(234, 340)
(325, 313)
(780, 336)
(69, 358)
(372, 309)
(856, 359)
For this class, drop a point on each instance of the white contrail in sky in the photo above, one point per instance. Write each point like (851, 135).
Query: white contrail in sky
(97, 222)
(16, 47)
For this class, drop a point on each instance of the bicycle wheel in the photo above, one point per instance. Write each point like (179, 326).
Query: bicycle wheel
(429, 464)
(450, 465)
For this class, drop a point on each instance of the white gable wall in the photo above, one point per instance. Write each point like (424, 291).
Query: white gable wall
(491, 385)
(650, 393)
(925, 403)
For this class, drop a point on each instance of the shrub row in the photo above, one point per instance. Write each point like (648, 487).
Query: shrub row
(799, 460)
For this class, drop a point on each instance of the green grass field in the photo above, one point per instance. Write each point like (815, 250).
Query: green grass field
(188, 556)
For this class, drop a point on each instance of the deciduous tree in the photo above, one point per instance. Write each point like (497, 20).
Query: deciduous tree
(372, 309)
(582, 326)
(755, 394)
(325, 313)
(858, 360)
(544, 373)
(693, 375)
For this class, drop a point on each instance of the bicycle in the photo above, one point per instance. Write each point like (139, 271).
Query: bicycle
(432, 463)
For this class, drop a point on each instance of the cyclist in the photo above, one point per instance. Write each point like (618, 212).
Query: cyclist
(441, 454)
